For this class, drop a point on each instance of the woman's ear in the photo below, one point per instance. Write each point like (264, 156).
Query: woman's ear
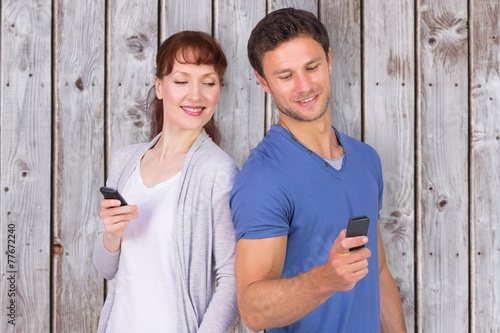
(158, 87)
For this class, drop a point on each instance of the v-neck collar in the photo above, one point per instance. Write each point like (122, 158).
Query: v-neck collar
(339, 174)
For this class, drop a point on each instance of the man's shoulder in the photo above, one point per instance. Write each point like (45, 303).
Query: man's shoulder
(273, 148)
(260, 165)
(356, 146)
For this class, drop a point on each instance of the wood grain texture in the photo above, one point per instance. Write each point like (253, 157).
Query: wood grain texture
(442, 280)
(310, 5)
(389, 101)
(185, 15)
(131, 53)
(79, 164)
(343, 21)
(25, 151)
(241, 111)
(485, 163)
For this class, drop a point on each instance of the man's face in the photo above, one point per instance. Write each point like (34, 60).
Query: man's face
(297, 75)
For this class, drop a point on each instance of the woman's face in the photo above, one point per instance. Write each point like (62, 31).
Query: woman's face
(189, 94)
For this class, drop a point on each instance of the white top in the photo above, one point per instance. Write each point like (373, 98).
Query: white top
(145, 299)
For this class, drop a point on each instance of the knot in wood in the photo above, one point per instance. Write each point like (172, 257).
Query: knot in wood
(57, 249)
(137, 44)
(79, 84)
(441, 203)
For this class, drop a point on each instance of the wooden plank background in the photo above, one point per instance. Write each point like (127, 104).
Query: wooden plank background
(443, 248)
(418, 80)
(389, 126)
(25, 166)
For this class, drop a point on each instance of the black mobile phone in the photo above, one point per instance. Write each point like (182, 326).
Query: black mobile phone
(111, 193)
(357, 226)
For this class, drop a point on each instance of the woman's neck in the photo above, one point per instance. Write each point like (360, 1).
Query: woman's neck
(171, 143)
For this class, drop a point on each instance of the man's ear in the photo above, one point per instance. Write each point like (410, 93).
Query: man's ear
(329, 60)
(262, 82)
(158, 85)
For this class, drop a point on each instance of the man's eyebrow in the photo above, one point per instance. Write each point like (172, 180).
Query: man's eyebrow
(286, 70)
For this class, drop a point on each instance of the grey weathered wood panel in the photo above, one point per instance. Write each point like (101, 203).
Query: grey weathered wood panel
(485, 166)
(25, 156)
(389, 101)
(79, 54)
(310, 5)
(442, 196)
(185, 15)
(241, 111)
(132, 39)
(342, 18)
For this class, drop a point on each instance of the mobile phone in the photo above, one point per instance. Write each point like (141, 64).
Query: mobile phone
(111, 193)
(357, 226)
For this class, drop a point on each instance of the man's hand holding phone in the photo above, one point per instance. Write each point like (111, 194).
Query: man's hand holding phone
(345, 266)
(357, 226)
(115, 215)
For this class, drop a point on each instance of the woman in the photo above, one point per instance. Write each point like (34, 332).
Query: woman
(167, 250)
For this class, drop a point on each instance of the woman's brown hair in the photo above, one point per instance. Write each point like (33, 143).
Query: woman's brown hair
(201, 49)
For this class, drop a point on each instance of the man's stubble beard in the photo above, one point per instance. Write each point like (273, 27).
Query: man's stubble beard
(289, 112)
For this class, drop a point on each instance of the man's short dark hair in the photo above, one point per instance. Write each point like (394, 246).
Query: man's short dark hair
(281, 26)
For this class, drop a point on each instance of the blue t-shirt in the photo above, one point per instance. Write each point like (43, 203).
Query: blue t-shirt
(286, 189)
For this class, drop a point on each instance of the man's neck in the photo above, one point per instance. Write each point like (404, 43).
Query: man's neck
(317, 135)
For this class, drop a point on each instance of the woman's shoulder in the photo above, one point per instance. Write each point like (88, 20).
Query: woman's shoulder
(130, 149)
(121, 159)
(215, 154)
(126, 151)
(209, 160)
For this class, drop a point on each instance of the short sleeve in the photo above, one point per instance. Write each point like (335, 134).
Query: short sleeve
(260, 202)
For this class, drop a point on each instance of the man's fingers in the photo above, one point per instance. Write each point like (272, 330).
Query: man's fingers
(343, 244)
(352, 242)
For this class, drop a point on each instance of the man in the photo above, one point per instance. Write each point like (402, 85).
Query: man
(295, 194)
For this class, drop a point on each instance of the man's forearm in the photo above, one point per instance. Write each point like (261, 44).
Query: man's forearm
(391, 310)
(280, 302)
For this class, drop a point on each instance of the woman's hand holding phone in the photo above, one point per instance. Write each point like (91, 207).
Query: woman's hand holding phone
(115, 218)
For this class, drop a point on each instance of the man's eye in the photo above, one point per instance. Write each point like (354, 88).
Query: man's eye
(285, 77)
(312, 68)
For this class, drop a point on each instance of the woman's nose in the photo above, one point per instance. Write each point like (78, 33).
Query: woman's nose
(194, 92)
